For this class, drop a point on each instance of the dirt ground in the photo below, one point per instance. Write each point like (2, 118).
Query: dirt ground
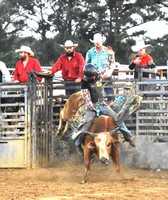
(62, 182)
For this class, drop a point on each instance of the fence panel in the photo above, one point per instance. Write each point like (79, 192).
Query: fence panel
(14, 126)
(152, 118)
(152, 125)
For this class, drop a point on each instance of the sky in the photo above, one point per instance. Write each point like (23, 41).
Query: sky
(155, 29)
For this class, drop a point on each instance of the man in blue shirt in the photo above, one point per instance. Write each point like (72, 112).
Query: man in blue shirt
(100, 58)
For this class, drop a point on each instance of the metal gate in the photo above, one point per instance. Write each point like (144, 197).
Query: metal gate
(40, 110)
(14, 134)
(26, 120)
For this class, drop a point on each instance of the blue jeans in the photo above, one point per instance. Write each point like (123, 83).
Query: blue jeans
(109, 91)
(71, 88)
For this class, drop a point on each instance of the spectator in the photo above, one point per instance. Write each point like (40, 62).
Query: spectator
(26, 64)
(4, 71)
(100, 58)
(71, 63)
(141, 60)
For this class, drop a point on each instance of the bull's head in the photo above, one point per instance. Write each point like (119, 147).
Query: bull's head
(102, 144)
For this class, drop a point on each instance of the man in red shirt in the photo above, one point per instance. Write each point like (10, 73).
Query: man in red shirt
(71, 63)
(25, 64)
(141, 60)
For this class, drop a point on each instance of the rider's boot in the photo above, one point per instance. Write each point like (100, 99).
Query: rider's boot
(127, 134)
(80, 150)
(132, 143)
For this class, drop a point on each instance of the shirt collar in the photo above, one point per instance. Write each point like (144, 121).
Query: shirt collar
(103, 49)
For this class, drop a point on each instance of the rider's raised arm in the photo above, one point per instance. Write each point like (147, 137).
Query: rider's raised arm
(108, 71)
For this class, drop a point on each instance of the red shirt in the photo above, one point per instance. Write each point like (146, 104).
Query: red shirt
(71, 69)
(145, 61)
(20, 72)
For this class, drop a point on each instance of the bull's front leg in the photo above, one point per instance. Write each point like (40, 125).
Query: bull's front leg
(115, 158)
(87, 161)
(87, 170)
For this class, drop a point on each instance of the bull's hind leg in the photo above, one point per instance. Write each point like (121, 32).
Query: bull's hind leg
(65, 129)
(60, 127)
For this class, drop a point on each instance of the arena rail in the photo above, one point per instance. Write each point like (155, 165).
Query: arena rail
(39, 115)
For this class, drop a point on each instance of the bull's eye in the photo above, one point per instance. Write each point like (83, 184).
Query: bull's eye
(109, 144)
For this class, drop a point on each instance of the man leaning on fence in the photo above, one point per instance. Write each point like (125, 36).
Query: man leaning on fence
(141, 60)
(25, 64)
(71, 64)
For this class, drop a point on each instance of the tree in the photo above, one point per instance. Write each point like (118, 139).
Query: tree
(77, 20)
(160, 50)
(9, 27)
(124, 15)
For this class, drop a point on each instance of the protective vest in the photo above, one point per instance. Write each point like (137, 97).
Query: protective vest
(96, 91)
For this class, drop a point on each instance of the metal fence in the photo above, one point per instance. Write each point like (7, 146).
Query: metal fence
(14, 126)
(29, 140)
(152, 118)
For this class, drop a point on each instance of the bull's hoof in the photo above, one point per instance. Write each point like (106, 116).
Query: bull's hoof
(92, 158)
(62, 137)
(58, 132)
(83, 182)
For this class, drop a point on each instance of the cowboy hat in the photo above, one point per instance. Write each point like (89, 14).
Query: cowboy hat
(68, 43)
(98, 38)
(25, 49)
(128, 85)
(139, 45)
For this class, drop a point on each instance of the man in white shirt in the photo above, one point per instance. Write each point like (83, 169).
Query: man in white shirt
(4, 71)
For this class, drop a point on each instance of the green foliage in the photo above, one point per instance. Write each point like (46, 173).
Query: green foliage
(78, 21)
(160, 50)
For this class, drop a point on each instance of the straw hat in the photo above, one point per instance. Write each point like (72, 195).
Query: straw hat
(69, 43)
(139, 45)
(25, 49)
(98, 38)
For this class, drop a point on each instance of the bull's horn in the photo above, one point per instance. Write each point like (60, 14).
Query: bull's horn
(90, 133)
(114, 131)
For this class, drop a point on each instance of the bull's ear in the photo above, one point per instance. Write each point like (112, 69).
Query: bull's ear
(116, 142)
(91, 145)
(90, 133)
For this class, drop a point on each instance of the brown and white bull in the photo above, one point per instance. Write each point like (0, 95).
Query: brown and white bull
(101, 141)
